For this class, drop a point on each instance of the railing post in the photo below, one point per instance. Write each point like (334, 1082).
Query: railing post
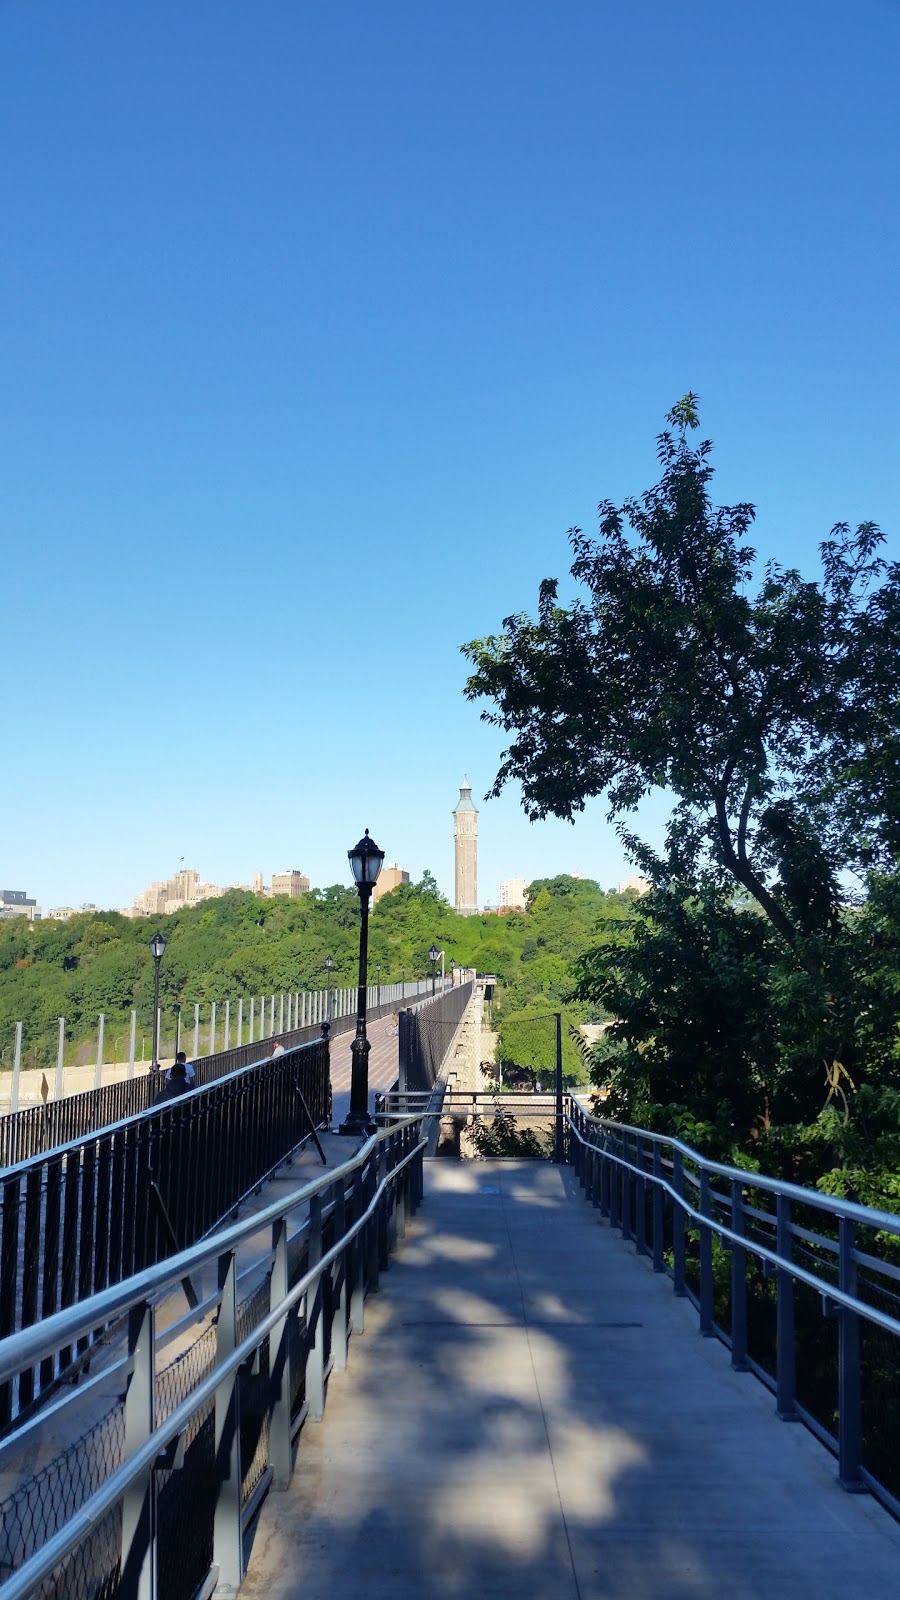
(559, 1141)
(131, 1044)
(595, 1171)
(358, 1260)
(227, 1542)
(240, 1023)
(196, 1031)
(659, 1259)
(678, 1280)
(280, 1451)
(613, 1181)
(315, 1308)
(738, 1282)
(212, 1029)
(625, 1196)
(138, 1580)
(849, 1391)
(707, 1321)
(340, 1282)
(784, 1335)
(640, 1198)
(605, 1178)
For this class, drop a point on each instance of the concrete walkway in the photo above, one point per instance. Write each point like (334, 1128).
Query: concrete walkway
(384, 1064)
(531, 1413)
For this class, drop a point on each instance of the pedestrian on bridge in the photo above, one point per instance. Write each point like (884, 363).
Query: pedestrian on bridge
(189, 1072)
(176, 1081)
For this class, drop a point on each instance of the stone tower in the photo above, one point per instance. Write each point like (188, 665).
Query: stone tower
(465, 840)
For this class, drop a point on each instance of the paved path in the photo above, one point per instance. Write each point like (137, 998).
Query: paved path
(383, 1064)
(531, 1413)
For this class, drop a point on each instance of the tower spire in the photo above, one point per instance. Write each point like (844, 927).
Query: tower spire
(465, 845)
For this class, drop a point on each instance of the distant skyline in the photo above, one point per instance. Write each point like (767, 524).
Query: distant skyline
(320, 326)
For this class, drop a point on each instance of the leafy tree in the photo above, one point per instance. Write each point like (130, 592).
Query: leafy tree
(768, 718)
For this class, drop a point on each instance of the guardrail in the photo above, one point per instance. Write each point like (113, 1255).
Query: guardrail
(187, 1474)
(46, 1127)
(787, 1277)
(97, 1210)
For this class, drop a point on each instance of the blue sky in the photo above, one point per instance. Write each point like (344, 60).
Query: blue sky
(319, 326)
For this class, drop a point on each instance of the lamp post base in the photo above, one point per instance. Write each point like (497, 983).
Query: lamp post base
(358, 1124)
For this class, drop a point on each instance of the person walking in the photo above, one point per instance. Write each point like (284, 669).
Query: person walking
(176, 1081)
(189, 1073)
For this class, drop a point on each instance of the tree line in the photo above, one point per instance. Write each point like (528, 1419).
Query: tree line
(241, 944)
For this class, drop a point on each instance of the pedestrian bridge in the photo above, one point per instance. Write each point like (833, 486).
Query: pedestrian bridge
(520, 1405)
(533, 1413)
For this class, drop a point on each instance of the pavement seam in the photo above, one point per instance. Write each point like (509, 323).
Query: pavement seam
(527, 1329)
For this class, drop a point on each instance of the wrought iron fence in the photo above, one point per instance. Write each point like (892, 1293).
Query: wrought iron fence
(46, 1127)
(66, 1117)
(798, 1285)
(106, 1206)
(177, 1469)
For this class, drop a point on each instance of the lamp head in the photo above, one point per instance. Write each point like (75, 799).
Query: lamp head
(157, 946)
(365, 860)
(329, 962)
(434, 954)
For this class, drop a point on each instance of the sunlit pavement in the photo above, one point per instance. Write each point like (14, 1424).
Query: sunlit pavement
(383, 1064)
(531, 1412)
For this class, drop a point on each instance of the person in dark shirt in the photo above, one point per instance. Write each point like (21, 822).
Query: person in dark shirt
(176, 1083)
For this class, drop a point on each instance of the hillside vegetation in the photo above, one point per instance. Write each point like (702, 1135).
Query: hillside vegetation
(243, 945)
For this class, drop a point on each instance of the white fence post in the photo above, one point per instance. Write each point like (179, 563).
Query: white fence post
(98, 1074)
(17, 1070)
(196, 1031)
(60, 1058)
(131, 1044)
(240, 1037)
(212, 1030)
(227, 1025)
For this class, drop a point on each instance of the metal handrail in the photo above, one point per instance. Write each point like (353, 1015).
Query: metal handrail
(885, 1221)
(745, 1242)
(623, 1171)
(30, 1344)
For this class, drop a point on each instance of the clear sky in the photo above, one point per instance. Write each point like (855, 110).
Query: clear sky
(321, 323)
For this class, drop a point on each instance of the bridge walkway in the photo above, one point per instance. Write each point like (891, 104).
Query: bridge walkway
(531, 1412)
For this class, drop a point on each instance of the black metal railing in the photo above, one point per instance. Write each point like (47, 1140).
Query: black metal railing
(88, 1215)
(799, 1285)
(426, 1036)
(146, 1493)
(36, 1129)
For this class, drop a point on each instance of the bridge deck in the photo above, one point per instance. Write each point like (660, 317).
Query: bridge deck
(531, 1413)
(384, 1059)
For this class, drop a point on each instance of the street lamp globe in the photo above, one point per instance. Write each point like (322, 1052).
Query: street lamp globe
(157, 946)
(365, 861)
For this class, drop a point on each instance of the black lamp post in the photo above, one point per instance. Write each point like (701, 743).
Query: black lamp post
(365, 860)
(402, 983)
(433, 956)
(452, 972)
(378, 980)
(157, 950)
(329, 963)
